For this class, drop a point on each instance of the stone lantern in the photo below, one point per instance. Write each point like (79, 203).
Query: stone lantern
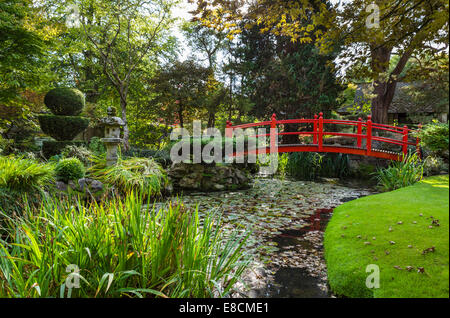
(112, 138)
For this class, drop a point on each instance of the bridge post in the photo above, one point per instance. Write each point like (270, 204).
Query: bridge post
(418, 142)
(369, 135)
(229, 130)
(273, 135)
(320, 141)
(315, 130)
(359, 132)
(405, 140)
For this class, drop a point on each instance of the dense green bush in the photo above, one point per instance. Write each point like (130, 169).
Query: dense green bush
(122, 249)
(143, 175)
(435, 137)
(97, 146)
(160, 156)
(69, 169)
(62, 128)
(400, 174)
(23, 175)
(80, 152)
(434, 165)
(51, 147)
(65, 101)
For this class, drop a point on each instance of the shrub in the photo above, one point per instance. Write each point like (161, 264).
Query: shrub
(23, 175)
(145, 176)
(160, 156)
(79, 152)
(123, 249)
(97, 146)
(311, 165)
(400, 174)
(434, 165)
(51, 148)
(435, 137)
(62, 128)
(304, 165)
(69, 169)
(65, 101)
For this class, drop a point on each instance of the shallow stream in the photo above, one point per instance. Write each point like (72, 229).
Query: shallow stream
(287, 219)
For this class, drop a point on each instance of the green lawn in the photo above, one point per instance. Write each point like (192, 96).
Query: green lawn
(371, 217)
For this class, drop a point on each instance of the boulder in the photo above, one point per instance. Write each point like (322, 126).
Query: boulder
(202, 177)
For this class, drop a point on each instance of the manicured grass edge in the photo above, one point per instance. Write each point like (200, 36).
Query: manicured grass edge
(358, 235)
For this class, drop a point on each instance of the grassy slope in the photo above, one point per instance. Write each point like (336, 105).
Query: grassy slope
(348, 256)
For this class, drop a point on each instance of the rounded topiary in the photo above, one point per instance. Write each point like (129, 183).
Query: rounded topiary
(65, 101)
(62, 127)
(69, 169)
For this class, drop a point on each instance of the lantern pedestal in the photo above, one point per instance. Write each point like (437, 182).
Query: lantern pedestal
(112, 135)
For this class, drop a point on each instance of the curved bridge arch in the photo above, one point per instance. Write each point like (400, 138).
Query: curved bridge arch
(365, 131)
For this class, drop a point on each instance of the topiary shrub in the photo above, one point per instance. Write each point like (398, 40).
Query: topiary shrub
(62, 127)
(69, 169)
(65, 101)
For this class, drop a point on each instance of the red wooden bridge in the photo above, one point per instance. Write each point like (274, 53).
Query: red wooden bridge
(366, 131)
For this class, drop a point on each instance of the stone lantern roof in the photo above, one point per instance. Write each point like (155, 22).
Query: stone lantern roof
(112, 120)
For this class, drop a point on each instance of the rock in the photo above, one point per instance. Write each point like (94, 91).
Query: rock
(96, 186)
(84, 182)
(61, 186)
(72, 185)
(207, 177)
(90, 184)
(219, 187)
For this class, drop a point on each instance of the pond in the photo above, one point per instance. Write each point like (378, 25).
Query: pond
(287, 219)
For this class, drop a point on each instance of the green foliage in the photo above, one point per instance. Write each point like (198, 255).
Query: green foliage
(283, 161)
(65, 101)
(123, 249)
(146, 134)
(21, 50)
(19, 174)
(435, 137)
(400, 174)
(434, 165)
(69, 169)
(97, 146)
(312, 165)
(62, 128)
(145, 176)
(51, 148)
(304, 165)
(80, 152)
(160, 156)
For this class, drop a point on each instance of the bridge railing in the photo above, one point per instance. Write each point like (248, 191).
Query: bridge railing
(365, 130)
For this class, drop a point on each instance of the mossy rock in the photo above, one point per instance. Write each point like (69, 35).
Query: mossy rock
(62, 128)
(65, 101)
(51, 147)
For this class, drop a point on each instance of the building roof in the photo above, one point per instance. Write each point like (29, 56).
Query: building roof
(401, 103)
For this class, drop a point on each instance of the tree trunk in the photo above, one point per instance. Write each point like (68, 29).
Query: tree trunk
(211, 119)
(180, 115)
(123, 107)
(380, 103)
(290, 139)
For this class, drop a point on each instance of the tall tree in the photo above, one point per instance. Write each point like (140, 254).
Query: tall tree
(124, 33)
(375, 34)
(287, 79)
(180, 88)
